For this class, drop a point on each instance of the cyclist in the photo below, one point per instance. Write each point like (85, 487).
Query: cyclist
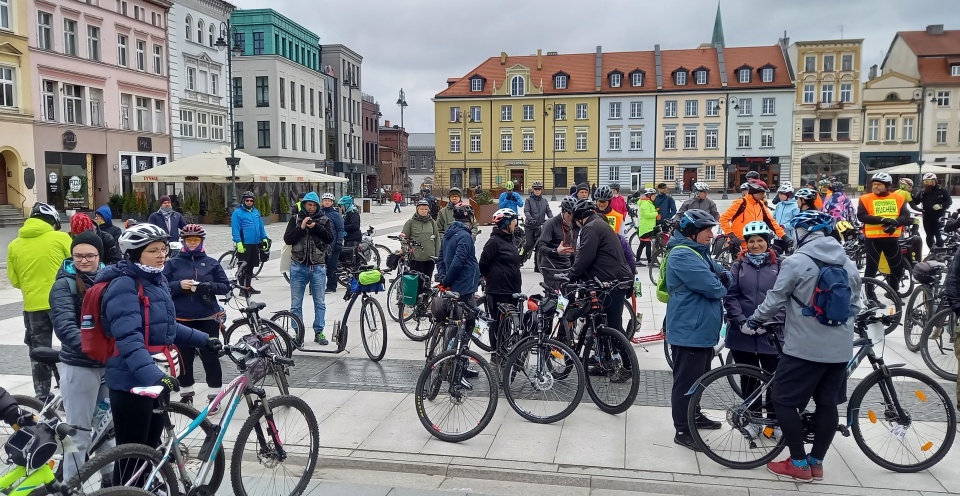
(752, 207)
(935, 201)
(511, 198)
(458, 268)
(602, 197)
(423, 229)
(145, 247)
(500, 267)
(600, 256)
(248, 234)
(618, 203)
(699, 202)
(351, 221)
(666, 206)
(583, 191)
(883, 215)
(824, 192)
(310, 234)
(445, 217)
(537, 211)
(697, 286)
(806, 199)
(332, 213)
(167, 218)
(838, 205)
(815, 356)
(784, 185)
(81, 379)
(81, 222)
(33, 259)
(558, 239)
(195, 280)
(754, 273)
(104, 220)
(786, 208)
(906, 190)
(647, 222)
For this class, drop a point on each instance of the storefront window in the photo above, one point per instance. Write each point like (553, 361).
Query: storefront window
(824, 165)
(580, 175)
(67, 180)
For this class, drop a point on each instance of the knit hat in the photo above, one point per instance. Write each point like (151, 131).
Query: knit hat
(80, 222)
(164, 199)
(582, 187)
(88, 238)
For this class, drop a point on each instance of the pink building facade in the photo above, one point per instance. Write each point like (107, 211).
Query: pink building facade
(101, 97)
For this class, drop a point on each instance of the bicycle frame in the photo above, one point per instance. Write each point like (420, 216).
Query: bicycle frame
(39, 478)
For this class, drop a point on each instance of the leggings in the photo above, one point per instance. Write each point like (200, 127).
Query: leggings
(251, 256)
(890, 249)
(931, 226)
(645, 242)
(211, 363)
(134, 421)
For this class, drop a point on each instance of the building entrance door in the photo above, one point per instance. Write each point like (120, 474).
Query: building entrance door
(3, 179)
(689, 177)
(516, 175)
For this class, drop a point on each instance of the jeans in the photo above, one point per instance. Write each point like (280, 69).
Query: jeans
(316, 275)
(210, 360)
(82, 389)
(396, 207)
(332, 260)
(39, 332)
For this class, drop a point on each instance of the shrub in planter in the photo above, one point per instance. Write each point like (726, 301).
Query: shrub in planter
(116, 205)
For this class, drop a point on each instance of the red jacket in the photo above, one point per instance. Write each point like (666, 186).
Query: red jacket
(619, 204)
(397, 197)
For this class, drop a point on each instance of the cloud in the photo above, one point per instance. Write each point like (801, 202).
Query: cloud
(417, 44)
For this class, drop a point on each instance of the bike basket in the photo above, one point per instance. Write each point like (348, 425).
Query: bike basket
(441, 308)
(393, 261)
(374, 286)
(31, 447)
(411, 288)
(257, 367)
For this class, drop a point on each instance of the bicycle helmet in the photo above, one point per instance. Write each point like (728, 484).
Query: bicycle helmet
(806, 194)
(584, 208)
(194, 230)
(837, 187)
(615, 186)
(811, 221)
(463, 211)
(328, 196)
(567, 204)
(757, 186)
(649, 191)
(345, 201)
(46, 213)
(844, 227)
(537, 185)
(785, 188)
(824, 182)
(455, 191)
(930, 177)
(786, 183)
(423, 203)
(882, 177)
(509, 185)
(603, 193)
(696, 220)
(139, 236)
(743, 187)
(753, 175)
(248, 194)
(905, 181)
(698, 187)
(503, 217)
(757, 228)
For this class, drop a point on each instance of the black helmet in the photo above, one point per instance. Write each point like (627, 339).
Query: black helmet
(568, 203)
(423, 203)
(455, 191)
(537, 184)
(603, 193)
(248, 194)
(615, 186)
(696, 220)
(753, 175)
(837, 187)
(46, 213)
(463, 211)
(584, 208)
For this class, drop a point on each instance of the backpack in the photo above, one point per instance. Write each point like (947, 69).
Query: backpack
(830, 301)
(94, 341)
(763, 212)
(434, 207)
(662, 293)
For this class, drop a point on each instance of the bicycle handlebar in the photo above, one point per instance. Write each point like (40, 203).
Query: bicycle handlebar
(249, 351)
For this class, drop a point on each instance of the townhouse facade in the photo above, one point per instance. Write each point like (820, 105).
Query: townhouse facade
(347, 96)
(423, 155)
(18, 165)
(628, 120)
(891, 108)
(370, 119)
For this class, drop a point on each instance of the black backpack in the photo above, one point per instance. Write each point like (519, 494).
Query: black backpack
(434, 207)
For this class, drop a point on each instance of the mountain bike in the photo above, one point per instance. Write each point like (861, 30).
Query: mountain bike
(927, 299)
(938, 344)
(395, 290)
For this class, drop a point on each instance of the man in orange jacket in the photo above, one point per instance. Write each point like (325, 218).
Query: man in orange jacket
(752, 207)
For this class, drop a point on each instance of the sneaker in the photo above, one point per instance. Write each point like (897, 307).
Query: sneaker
(471, 373)
(816, 470)
(786, 468)
(686, 440)
(320, 339)
(705, 423)
(252, 291)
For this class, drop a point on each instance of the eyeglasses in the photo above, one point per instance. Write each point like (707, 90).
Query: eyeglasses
(89, 257)
(158, 251)
(537, 189)
(248, 200)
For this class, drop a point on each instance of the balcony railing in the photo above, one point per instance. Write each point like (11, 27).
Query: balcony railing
(830, 106)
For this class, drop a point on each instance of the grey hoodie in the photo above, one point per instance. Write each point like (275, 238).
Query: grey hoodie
(805, 337)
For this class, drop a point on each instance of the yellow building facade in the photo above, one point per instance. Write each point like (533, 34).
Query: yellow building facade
(17, 172)
(891, 113)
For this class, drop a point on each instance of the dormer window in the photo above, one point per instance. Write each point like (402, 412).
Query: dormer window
(743, 75)
(701, 76)
(892, 97)
(476, 83)
(518, 86)
(636, 78)
(680, 77)
(766, 74)
(616, 79)
(955, 70)
(560, 81)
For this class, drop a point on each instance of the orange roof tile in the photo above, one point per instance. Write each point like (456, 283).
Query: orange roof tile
(690, 60)
(925, 44)
(756, 58)
(628, 62)
(580, 67)
(935, 70)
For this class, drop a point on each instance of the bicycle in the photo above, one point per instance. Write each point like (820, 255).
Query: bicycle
(267, 422)
(938, 344)
(31, 450)
(395, 291)
(926, 300)
(364, 253)
(872, 415)
(525, 254)
(230, 260)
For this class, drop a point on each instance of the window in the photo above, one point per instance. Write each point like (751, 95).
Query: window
(766, 138)
(126, 102)
(670, 139)
(615, 80)
(258, 42)
(200, 31)
(891, 130)
(263, 97)
(6, 87)
(238, 134)
(670, 108)
(506, 142)
(506, 113)
(766, 74)
(711, 139)
(157, 59)
(941, 133)
(680, 78)
(44, 30)
(303, 99)
(293, 97)
(191, 79)
(908, 129)
(93, 42)
(189, 21)
(743, 75)
(210, 39)
(237, 92)
(303, 138)
(528, 142)
(668, 173)
(96, 107)
(528, 112)
(159, 122)
(49, 100)
(186, 123)
(690, 108)
(454, 114)
(141, 58)
(636, 79)
(581, 141)
(806, 127)
(73, 104)
(475, 113)
(614, 110)
(826, 129)
(240, 39)
(636, 110)
(613, 173)
(313, 140)
(873, 130)
(475, 143)
(293, 137)
(122, 50)
(560, 141)
(4, 14)
(123, 8)
(943, 98)
(143, 114)
(743, 138)
(826, 93)
(454, 143)
(713, 108)
(311, 102)
(476, 84)
(615, 140)
(560, 112)
(746, 106)
(769, 106)
(283, 99)
(843, 129)
(955, 70)
(70, 37)
(283, 135)
(517, 86)
(202, 131)
(581, 111)
(263, 134)
(636, 140)
(846, 62)
(828, 63)
(214, 84)
(809, 93)
(689, 139)
(810, 63)
(701, 76)
(846, 92)
(560, 82)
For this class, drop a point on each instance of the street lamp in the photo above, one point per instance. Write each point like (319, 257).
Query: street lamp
(351, 84)
(463, 140)
(726, 139)
(402, 103)
(232, 161)
(376, 164)
(553, 167)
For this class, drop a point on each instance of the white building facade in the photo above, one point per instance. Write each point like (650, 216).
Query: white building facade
(760, 133)
(627, 133)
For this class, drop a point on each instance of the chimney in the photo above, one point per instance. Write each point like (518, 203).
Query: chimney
(935, 29)
(386, 123)
(539, 59)
(599, 67)
(873, 73)
(452, 81)
(503, 58)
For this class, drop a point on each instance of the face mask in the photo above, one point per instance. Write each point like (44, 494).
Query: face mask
(757, 259)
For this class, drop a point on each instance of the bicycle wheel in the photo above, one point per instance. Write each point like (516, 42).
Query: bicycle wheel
(543, 381)
(483, 341)
(919, 310)
(613, 375)
(395, 300)
(373, 329)
(937, 344)
(281, 455)
(268, 329)
(629, 319)
(256, 272)
(292, 324)
(371, 255)
(910, 443)
(463, 407)
(634, 241)
(415, 320)
(344, 274)
(118, 491)
(228, 260)
(742, 441)
(904, 286)
(181, 416)
(887, 300)
(132, 464)
(653, 268)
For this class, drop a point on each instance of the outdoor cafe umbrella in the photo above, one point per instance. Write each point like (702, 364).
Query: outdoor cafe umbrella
(915, 168)
(211, 167)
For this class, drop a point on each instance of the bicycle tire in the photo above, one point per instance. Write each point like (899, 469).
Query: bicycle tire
(435, 347)
(894, 298)
(419, 318)
(860, 393)
(394, 303)
(168, 478)
(653, 266)
(545, 377)
(292, 324)
(377, 332)
(254, 421)
(624, 364)
(723, 376)
(630, 327)
(256, 272)
(925, 338)
(482, 342)
(231, 262)
(285, 347)
(441, 365)
(915, 317)
(220, 462)
(118, 491)
(906, 283)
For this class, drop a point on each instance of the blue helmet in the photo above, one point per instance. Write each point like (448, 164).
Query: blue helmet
(810, 221)
(346, 201)
(695, 220)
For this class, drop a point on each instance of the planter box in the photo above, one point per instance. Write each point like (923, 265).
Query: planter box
(226, 220)
(274, 217)
(209, 219)
(265, 220)
(191, 218)
(484, 213)
(283, 217)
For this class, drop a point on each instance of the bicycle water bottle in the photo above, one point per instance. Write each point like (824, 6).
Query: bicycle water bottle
(637, 286)
(87, 322)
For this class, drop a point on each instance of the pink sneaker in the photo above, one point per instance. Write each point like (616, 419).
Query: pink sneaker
(816, 470)
(786, 468)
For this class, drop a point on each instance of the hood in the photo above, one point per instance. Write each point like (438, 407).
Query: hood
(454, 227)
(67, 269)
(824, 249)
(501, 234)
(125, 268)
(105, 212)
(33, 228)
(679, 239)
(311, 196)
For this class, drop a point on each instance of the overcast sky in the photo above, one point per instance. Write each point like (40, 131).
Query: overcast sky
(418, 44)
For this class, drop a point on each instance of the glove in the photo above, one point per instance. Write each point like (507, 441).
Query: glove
(753, 327)
(14, 416)
(214, 345)
(890, 228)
(27, 419)
(169, 383)
(203, 288)
(265, 244)
(438, 277)
(937, 207)
(240, 248)
(890, 222)
(725, 278)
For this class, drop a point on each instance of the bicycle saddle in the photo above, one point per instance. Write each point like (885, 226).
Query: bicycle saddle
(149, 391)
(518, 296)
(254, 307)
(45, 355)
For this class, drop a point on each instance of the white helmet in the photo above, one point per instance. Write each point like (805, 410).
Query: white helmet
(141, 235)
(46, 213)
(744, 186)
(786, 183)
(785, 188)
(757, 228)
(649, 191)
(882, 177)
(929, 177)
(328, 196)
(698, 187)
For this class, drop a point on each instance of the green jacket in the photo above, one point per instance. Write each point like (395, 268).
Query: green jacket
(33, 259)
(445, 218)
(648, 216)
(424, 231)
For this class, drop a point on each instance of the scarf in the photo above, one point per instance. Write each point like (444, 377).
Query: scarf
(166, 212)
(757, 259)
(149, 269)
(193, 252)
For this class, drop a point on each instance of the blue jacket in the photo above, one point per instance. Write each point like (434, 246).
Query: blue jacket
(176, 224)
(666, 207)
(695, 309)
(458, 266)
(338, 230)
(511, 204)
(108, 226)
(123, 319)
(65, 304)
(196, 267)
(247, 226)
(785, 211)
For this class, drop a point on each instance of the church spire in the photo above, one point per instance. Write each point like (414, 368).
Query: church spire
(717, 29)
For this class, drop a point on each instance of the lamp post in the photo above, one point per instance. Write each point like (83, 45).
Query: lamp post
(402, 103)
(726, 140)
(376, 164)
(350, 84)
(232, 161)
(553, 166)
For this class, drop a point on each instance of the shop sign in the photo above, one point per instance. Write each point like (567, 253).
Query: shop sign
(125, 163)
(52, 180)
(754, 160)
(74, 184)
(69, 140)
(144, 144)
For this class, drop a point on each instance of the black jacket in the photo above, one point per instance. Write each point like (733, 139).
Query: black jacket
(65, 303)
(309, 245)
(111, 247)
(112, 230)
(952, 284)
(554, 231)
(351, 225)
(600, 254)
(936, 196)
(500, 264)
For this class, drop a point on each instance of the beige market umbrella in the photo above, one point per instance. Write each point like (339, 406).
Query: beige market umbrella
(915, 168)
(211, 167)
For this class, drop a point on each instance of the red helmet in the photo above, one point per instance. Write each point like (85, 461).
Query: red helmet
(80, 222)
(757, 186)
(193, 230)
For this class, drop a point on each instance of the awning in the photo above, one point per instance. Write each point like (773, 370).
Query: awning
(915, 168)
(211, 167)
